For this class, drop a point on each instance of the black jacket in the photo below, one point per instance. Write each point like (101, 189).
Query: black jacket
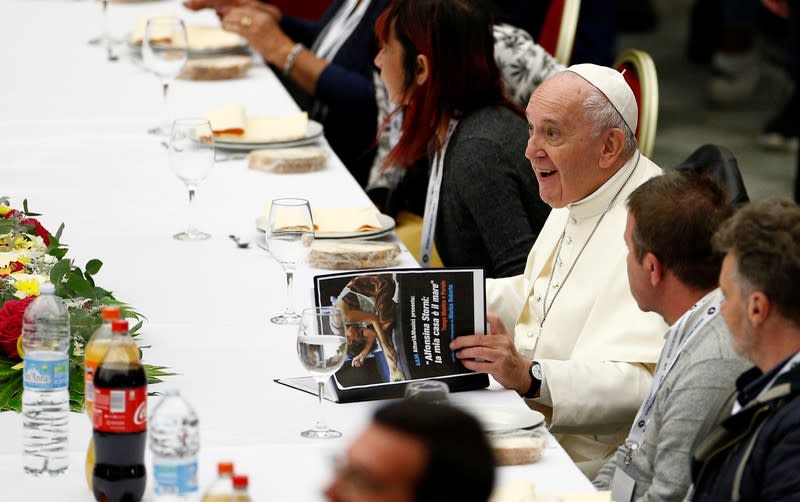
(754, 455)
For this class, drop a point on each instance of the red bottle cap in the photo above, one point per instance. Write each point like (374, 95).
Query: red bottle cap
(110, 313)
(118, 326)
(240, 482)
(225, 468)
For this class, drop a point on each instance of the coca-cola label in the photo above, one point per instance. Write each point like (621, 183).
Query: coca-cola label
(120, 410)
(45, 371)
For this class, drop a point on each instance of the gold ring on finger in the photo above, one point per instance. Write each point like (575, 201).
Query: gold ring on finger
(246, 21)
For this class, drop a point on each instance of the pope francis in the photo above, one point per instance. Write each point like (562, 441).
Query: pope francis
(582, 352)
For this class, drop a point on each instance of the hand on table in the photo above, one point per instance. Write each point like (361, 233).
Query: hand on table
(262, 32)
(495, 354)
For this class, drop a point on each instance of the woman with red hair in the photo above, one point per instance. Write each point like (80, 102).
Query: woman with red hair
(482, 206)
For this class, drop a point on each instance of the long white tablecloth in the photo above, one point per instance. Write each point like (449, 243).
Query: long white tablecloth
(73, 142)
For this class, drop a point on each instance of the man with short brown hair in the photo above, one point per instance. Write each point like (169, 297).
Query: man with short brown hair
(673, 271)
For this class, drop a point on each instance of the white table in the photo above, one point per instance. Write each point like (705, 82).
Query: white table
(73, 141)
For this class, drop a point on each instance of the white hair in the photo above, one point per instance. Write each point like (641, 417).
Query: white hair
(601, 113)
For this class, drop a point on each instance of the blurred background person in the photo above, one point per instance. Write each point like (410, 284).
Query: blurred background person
(416, 451)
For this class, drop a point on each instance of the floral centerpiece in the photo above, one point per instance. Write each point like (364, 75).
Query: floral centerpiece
(29, 257)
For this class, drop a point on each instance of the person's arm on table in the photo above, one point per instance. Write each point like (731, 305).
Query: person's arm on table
(315, 75)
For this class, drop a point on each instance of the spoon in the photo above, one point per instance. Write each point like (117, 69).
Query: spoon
(239, 242)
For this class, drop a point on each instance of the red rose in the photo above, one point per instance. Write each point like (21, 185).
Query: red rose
(10, 213)
(11, 325)
(38, 229)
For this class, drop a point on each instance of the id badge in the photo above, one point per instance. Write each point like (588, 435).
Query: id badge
(622, 486)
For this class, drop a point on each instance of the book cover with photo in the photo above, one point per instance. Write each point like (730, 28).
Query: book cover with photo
(399, 324)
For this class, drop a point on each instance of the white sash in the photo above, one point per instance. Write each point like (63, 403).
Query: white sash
(339, 28)
(432, 199)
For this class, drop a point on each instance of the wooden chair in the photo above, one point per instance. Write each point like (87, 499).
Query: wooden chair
(558, 32)
(640, 73)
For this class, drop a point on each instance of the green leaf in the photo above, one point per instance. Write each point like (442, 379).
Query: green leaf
(93, 266)
(11, 392)
(58, 271)
(57, 236)
(82, 323)
(25, 209)
(80, 285)
(6, 226)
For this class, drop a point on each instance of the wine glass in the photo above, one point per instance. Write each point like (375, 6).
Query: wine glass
(191, 156)
(289, 235)
(322, 347)
(164, 53)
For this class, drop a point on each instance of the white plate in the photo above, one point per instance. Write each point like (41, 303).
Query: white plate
(503, 418)
(386, 221)
(238, 47)
(313, 134)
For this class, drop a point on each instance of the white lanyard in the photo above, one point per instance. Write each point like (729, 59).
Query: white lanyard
(432, 199)
(679, 337)
(339, 28)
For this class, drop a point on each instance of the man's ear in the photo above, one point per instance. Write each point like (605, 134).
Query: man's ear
(422, 70)
(654, 268)
(758, 308)
(613, 144)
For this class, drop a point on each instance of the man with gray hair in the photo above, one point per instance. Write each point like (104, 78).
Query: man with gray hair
(580, 351)
(754, 454)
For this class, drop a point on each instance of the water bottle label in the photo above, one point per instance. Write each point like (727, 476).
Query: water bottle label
(175, 479)
(45, 373)
(120, 410)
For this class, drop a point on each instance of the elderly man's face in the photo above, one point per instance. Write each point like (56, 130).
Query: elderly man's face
(381, 465)
(563, 148)
(734, 308)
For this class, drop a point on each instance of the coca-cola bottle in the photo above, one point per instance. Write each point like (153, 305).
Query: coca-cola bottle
(120, 421)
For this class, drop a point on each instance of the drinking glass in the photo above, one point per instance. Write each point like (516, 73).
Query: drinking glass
(322, 347)
(191, 157)
(289, 235)
(164, 53)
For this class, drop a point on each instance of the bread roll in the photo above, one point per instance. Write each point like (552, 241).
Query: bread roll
(516, 450)
(219, 68)
(288, 160)
(353, 255)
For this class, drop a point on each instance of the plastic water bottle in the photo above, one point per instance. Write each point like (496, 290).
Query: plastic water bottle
(174, 441)
(45, 395)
